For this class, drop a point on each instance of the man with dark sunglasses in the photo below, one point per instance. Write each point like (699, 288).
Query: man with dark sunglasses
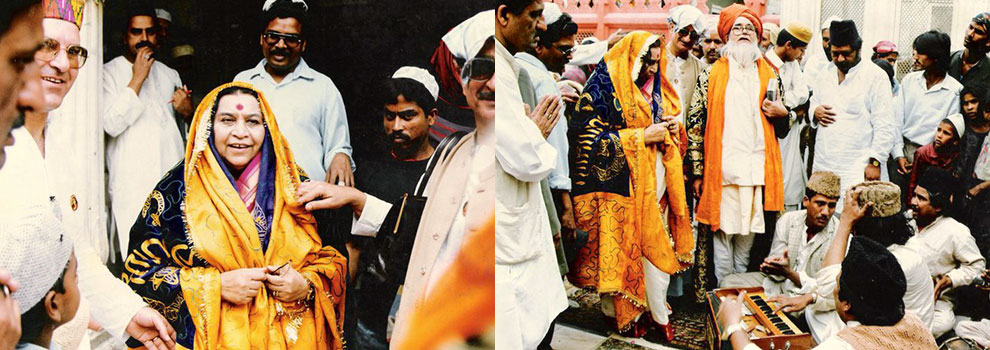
(141, 98)
(686, 24)
(308, 106)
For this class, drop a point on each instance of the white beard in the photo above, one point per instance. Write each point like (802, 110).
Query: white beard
(743, 52)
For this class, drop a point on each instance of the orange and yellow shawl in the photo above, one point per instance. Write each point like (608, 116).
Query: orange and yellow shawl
(223, 233)
(624, 228)
(711, 192)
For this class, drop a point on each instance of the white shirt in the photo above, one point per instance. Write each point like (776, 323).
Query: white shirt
(791, 235)
(864, 120)
(675, 73)
(795, 94)
(545, 84)
(310, 113)
(25, 182)
(949, 249)
(144, 141)
(743, 148)
(918, 110)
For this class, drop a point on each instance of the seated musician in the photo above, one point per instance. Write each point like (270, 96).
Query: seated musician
(868, 298)
(871, 209)
(799, 244)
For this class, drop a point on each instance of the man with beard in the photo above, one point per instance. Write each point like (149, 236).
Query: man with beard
(20, 91)
(553, 50)
(686, 25)
(971, 64)
(144, 141)
(711, 44)
(928, 95)
(799, 243)
(523, 231)
(408, 101)
(733, 154)
(946, 245)
(306, 103)
(792, 41)
(853, 111)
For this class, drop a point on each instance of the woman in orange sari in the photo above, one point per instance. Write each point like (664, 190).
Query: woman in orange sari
(222, 247)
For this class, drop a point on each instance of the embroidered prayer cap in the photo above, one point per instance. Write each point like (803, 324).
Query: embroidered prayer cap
(886, 198)
(551, 12)
(983, 19)
(686, 15)
(728, 17)
(421, 76)
(825, 183)
(183, 50)
(958, 123)
(66, 10)
(873, 282)
(798, 30)
(34, 250)
(463, 41)
(885, 46)
(162, 14)
(842, 33)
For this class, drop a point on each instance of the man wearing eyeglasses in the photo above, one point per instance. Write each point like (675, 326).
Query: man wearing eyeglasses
(733, 155)
(686, 24)
(307, 104)
(140, 97)
(32, 178)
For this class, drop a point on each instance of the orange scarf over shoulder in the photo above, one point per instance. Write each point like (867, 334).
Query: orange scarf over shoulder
(711, 195)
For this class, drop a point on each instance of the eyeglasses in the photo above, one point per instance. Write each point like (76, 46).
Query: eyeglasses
(147, 31)
(743, 28)
(478, 69)
(50, 48)
(566, 50)
(291, 40)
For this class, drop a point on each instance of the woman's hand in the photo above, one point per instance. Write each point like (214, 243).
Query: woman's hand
(287, 286)
(655, 133)
(317, 195)
(240, 286)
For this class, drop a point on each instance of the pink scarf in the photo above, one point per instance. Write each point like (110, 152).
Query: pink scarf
(247, 183)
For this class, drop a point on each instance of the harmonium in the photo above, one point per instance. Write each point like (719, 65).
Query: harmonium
(767, 329)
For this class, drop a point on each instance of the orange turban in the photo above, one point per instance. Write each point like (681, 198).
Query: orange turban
(729, 15)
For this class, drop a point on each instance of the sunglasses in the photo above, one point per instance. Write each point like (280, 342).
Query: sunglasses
(687, 32)
(291, 40)
(50, 48)
(478, 69)
(566, 50)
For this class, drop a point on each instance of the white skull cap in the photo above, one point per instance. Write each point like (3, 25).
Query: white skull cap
(420, 75)
(35, 250)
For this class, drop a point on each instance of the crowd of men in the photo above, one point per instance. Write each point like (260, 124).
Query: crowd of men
(730, 152)
(56, 288)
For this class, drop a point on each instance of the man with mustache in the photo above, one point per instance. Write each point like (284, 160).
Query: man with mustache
(711, 44)
(144, 141)
(307, 104)
(20, 90)
(799, 245)
(971, 64)
(928, 95)
(733, 153)
(28, 180)
(853, 111)
(946, 245)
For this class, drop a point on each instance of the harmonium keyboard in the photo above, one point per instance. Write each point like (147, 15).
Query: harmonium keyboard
(767, 329)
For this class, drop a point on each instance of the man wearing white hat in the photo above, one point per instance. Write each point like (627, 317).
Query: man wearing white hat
(686, 25)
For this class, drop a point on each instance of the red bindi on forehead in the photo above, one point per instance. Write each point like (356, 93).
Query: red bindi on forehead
(240, 107)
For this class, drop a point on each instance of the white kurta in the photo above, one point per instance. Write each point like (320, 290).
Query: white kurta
(864, 121)
(144, 141)
(791, 236)
(529, 292)
(918, 110)
(25, 181)
(743, 153)
(792, 163)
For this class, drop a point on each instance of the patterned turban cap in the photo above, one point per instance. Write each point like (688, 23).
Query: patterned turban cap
(66, 10)
(886, 197)
(983, 19)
